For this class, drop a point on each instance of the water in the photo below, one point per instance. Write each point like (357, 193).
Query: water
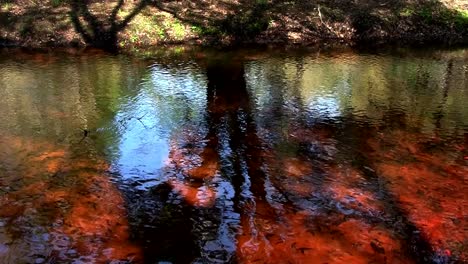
(239, 157)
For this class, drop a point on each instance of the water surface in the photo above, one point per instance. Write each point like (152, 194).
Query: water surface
(239, 157)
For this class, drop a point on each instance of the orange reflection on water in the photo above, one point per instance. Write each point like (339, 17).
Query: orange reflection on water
(53, 186)
(202, 196)
(303, 238)
(296, 168)
(430, 185)
(344, 189)
(272, 233)
(191, 167)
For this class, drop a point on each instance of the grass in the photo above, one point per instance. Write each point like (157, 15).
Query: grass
(461, 17)
(433, 14)
(6, 6)
(407, 12)
(148, 29)
(178, 30)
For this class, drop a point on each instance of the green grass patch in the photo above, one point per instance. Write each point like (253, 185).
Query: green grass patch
(461, 17)
(434, 14)
(5, 6)
(149, 29)
(407, 12)
(174, 29)
(205, 31)
(178, 29)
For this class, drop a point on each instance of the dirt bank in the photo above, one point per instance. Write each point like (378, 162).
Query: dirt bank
(136, 24)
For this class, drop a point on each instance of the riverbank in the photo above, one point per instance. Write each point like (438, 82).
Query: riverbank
(133, 25)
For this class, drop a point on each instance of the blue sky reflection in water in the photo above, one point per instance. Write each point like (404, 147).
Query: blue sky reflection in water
(166, 101)
(234, 157)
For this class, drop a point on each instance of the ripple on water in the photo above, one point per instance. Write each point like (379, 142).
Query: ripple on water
(345, 157)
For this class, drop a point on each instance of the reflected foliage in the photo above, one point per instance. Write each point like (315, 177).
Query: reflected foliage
(57, 201)
(236, 158)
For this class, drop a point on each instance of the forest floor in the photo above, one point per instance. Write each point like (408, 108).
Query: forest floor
(139, 24)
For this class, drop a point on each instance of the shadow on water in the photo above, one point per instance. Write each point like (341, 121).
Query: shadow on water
(288, 202)
(229, 151)
(62, 207)
(264, 163)
(251, 150)
(58, 203)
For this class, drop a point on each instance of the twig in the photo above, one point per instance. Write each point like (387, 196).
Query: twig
(323, 23)
(85, 135)
(320, 14)
(139, 119)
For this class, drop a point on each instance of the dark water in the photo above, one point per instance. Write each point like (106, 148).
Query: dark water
(241, 157)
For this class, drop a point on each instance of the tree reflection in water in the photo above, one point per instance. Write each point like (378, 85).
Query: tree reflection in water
(272, 170)
(313, 198)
